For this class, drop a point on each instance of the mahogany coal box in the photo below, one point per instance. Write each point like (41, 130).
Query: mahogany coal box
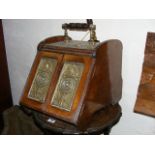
(77, 83)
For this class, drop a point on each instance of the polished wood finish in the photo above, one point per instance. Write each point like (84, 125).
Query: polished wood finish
(145, 102)
(105, 86)
(5, 90)
(100, 86)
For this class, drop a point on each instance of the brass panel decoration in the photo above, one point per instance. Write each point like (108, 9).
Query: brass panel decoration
(42, 79)
(67, 85)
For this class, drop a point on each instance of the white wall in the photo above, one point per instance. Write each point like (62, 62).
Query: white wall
(22, 37)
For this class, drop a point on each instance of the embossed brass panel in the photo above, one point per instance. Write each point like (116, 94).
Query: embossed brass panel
(67, 85)
(42, 79)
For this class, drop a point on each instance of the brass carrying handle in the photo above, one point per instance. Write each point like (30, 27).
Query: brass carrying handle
(78, 26)
(81, 27)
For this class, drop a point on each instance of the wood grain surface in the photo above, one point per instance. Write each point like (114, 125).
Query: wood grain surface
(145, 102)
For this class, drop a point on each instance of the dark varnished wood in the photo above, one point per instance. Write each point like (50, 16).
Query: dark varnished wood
(145, 102)
(5, 90)
(100, 87)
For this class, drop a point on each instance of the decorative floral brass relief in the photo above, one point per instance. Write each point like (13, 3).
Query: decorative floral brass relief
(67, 85)
(42, 79)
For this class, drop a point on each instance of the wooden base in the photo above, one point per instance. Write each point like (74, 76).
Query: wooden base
(101, 123)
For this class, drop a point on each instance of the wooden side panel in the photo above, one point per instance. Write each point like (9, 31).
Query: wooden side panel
(145, 102)
(105, 85)
(106, 82)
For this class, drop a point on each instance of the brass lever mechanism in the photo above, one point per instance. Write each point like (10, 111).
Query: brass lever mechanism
(81, 27)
